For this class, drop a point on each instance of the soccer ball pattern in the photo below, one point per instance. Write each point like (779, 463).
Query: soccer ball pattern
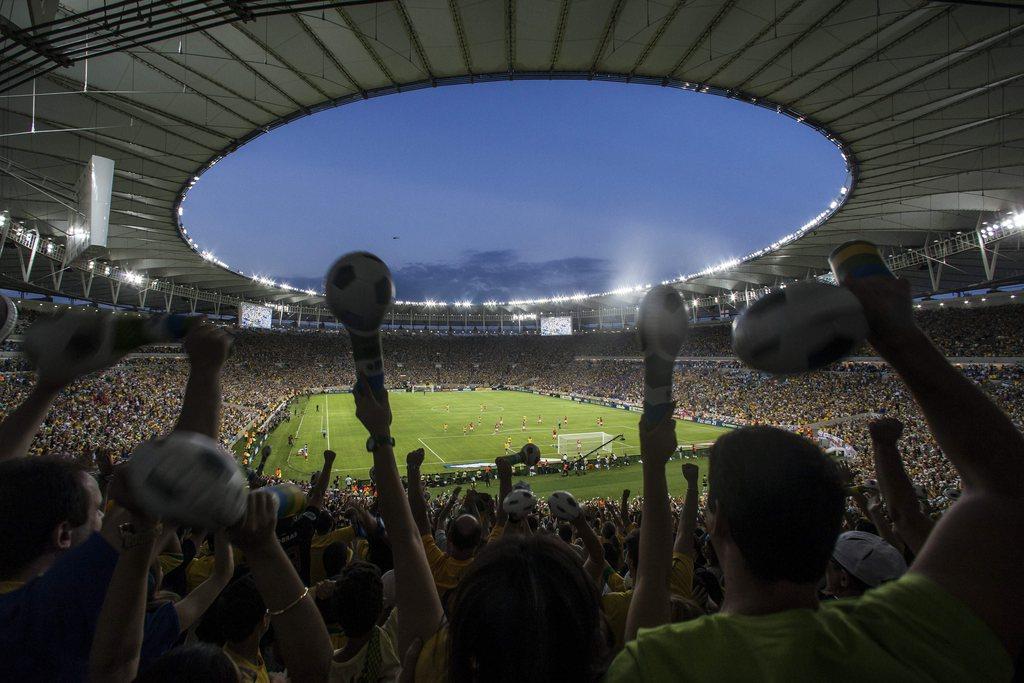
(805, 326)
(519, 502)
(187, 478)
(531, 454)
(663, 326)
(359, 291)
(563, 505)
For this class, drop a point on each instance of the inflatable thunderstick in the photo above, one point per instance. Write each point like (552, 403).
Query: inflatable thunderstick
(663, 330)
(359, 293)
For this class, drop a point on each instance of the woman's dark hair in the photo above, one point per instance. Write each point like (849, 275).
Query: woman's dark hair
(358, 598)
(240, 610)
(526, 610)
(197, 663)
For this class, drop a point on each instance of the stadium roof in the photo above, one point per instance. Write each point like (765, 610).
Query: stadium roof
(926, 99)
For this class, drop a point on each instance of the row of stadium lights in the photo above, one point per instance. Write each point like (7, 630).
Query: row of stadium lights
(580, 296)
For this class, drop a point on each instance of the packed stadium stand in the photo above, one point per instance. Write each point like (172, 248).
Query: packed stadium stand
(895, 555)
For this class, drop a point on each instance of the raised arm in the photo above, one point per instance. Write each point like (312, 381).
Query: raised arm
(624, 512)
(912, 525)
(193, 605)
(688, 515)
(207, 347)
(298, 627)
(650, 604)
(504, 486)
(23, 423)
(418, 506)
(415, 594)
(446, 509)
(316, 494)
(973, 552)
(595, 551)
(117, 641)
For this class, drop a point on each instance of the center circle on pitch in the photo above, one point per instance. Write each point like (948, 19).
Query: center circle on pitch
(516, 189)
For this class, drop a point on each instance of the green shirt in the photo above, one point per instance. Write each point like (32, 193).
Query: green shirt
(906, 630)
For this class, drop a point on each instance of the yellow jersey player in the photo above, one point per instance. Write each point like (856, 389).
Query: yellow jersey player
(539, 420)
(529, 439)
(465, 428)
(445, 426)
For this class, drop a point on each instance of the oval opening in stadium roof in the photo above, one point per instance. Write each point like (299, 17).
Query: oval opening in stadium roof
(517, 190)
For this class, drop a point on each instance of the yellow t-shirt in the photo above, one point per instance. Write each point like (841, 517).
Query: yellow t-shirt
(907, 630)
(616, 605)
(446, 569)
(432, 664)
(249, 671)
(10, 586)
(320, 543)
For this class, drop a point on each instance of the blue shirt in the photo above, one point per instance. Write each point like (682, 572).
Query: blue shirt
(47, 625)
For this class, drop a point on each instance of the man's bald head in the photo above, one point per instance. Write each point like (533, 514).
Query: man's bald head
(465, 533)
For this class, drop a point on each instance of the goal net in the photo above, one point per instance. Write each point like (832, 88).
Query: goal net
(579, 444)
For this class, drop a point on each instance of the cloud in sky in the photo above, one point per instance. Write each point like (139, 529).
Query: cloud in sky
(499, 274)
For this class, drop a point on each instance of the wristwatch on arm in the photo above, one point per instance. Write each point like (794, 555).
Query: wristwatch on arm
(375, 442)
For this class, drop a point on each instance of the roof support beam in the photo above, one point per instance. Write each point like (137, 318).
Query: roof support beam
(352, 26)
(556, 47)
(658, 33)
(705, 34)
(460, 33)
(414, 40)
(330, 55)
(609, 29)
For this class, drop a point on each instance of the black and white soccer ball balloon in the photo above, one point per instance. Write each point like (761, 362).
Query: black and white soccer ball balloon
(360, 291)
(531, 454)
(563, 505)
(70, 345)
(802, 327)
(519, 502)
(662, 324)
(187, 478)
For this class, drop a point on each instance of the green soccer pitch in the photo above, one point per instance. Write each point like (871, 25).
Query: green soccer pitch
(419, 420)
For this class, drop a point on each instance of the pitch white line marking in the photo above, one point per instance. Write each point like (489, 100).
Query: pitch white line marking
(327, 410)
(432, 451)
(299, 428)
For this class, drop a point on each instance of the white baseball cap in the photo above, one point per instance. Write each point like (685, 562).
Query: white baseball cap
(868, 558)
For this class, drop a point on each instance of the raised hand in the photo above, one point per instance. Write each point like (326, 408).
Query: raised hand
(374, 412)
(504, 467)
(657, 442)
(887, 307)
(886, 431)
(208, 346)
(690, 473)
(415, 458)
(329, 456)
(255, 533)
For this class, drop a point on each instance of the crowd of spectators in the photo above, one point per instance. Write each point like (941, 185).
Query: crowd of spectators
(138, 399)
(783, 565)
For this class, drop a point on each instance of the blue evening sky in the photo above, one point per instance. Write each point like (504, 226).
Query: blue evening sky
(512, 190)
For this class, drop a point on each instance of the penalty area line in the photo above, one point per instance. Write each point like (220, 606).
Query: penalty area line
(432, 451)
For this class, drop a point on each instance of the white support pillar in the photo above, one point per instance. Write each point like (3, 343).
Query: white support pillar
(934, 272)
(987, 262)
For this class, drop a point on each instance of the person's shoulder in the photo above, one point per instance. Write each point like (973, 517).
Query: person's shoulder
(933, 630)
